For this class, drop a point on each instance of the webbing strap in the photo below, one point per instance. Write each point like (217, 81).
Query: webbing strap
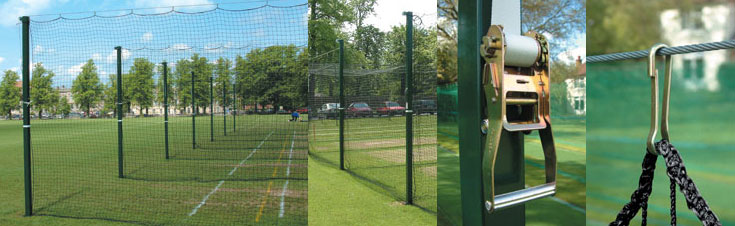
(677, 175)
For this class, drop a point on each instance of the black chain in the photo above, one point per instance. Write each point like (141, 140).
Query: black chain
(677, 175)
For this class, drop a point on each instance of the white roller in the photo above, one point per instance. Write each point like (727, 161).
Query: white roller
(521, 51)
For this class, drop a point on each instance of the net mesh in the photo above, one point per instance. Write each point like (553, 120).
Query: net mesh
(375, 125)
(231, 155)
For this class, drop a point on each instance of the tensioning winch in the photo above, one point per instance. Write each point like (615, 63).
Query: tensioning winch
(516, 86)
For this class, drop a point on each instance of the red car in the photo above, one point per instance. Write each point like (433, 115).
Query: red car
(359, 109)
(391, 108)
(302, 110)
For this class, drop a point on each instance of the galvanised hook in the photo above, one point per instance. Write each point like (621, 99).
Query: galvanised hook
(653, 73)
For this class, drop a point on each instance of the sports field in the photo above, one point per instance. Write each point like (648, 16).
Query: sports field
(375, 154)
(700, 128)
(254, 175)
(567, 207)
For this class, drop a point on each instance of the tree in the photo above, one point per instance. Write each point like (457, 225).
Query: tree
(326, 18)
(182, 80)
(110, 96)
(9, 93)
(447, 41)
(223, 82)
(64, 108)
(362, 9)
(159, 85)
(621, 26)
(43, 96)
(561, 19)
(140, 87)
(87, 89)
(274, 75)
(202, 72)
(369, 40)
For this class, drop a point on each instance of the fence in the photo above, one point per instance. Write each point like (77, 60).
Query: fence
(184, 119)
(383, 128)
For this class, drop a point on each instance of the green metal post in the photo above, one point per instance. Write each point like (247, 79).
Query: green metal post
(234, 108)
(224, 107)
(118, 49)
(474, 20)
(193, 115)
(165, 104)
(409, 107)
(27, 116)
(211, 108)
(341, 105)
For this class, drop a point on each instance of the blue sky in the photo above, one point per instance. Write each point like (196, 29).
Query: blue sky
(12, 9)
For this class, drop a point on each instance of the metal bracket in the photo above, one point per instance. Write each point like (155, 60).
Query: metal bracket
(516, 100)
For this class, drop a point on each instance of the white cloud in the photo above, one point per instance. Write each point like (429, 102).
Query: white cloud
(574, 49)
(2, 59)
(180, 46)
(97, 57)
(112, 58)
(15, 69)
(390, 13)
(76, 69)
(147, 37)
(571, 55)
(11, 10)
(167, 3)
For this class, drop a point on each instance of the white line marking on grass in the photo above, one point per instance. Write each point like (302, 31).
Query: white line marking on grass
(250, 155)
(288, 173)
(577, 208)
(204, 201)
(194, 211)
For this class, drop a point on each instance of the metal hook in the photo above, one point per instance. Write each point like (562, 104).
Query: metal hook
(653, 73)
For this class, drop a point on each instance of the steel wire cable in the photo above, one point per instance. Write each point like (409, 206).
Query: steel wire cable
(701, 47)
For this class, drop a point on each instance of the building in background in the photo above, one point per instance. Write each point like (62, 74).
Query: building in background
(576, 89)
(710, 21)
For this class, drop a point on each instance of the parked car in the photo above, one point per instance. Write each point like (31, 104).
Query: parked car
(283, 112)
(303, 110)
(359, 109)
(425, 106)
(391, 108)
(328, 110)
(74, 115)
(267, 111)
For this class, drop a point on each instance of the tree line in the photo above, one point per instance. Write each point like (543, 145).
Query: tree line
(269, 76)
(367, 48)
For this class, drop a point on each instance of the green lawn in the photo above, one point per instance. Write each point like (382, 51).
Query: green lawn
(567, 207)
(338, 198)
(255, 174)
(375, 157)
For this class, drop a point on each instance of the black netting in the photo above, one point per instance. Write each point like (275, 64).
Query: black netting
(375, 125)
(232, 153)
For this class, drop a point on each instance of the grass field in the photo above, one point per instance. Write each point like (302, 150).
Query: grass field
(338, 198)
(375, 155)
(700, 128)
(567, 207)
(255, 175)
